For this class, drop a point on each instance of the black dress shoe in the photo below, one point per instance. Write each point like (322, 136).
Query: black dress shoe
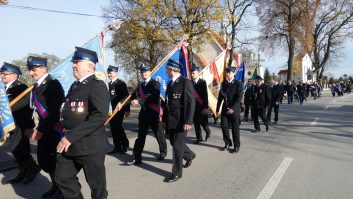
(135, 162)
(123, 150)
(256, 130)
(275, 122)
(267, 128)
(187, 163)
(31, 174)
(225, 147)
(172, 178)
(50, 193)
(197, 141)
(115, 150)
(20, 176)
(161, 157)
(235, 150)
(206, 138)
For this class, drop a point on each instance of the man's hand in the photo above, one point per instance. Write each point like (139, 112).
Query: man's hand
(28, 132)
(118, 107)
(36, 135)
(127, 114)
(277, 103)
(187, 127)
(63, 145)
(230, 111)
(205, 111)
(134, 102)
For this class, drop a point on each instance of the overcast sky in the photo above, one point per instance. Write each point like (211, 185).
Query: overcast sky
(25, 31)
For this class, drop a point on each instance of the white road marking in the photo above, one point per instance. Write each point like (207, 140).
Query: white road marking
(271, 185)
(334, 100)
(313, 123)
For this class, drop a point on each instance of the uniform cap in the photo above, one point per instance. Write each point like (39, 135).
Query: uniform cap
(34, 62)
(113, 68)
(173, 64)
(11, 68)
(144, 68)
(84, 54)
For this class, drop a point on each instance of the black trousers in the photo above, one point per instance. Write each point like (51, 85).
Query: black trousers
(269, 112)
(46, 152)
(246, 111)
(262, 113)
(230, 122)
(201, 120)
(67, 168)
(118, 133)
(21, 149)
(180, 151)
(147, 120)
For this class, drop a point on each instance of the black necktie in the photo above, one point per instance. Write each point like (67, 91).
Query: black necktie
(75, 84)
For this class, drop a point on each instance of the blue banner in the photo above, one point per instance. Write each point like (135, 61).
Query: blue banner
(6, 118)
(160, 74)
(63, 72)
(240, 75)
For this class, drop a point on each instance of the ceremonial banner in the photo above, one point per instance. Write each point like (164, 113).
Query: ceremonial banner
(178, 54)
(214, 71)
(240, 75)
(6, 118)
(63, 72)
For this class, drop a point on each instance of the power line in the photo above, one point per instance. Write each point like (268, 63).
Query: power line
(54, 11)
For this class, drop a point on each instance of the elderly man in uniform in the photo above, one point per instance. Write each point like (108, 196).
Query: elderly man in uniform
(83, 115)
(230, 94)
(118, 91)
(148, 94)
(201, 108)
(178, 118)
(19, 142)
(261, 99)
(47, 97)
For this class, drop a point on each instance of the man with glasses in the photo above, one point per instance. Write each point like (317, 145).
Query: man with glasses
(19, 142)
(47, 97)
(118, 91)
(148, 94)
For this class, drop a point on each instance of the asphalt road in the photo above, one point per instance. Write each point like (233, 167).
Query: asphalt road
(308, 154)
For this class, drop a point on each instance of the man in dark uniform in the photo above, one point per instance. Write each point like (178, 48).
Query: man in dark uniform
(247, 102)
(148, 94)
(261, 99)
(47, 97)
(83, 115)
(275, 98)
(19, 142)
(178, 118)
(230, 94)
(201, 108)
(118, 91)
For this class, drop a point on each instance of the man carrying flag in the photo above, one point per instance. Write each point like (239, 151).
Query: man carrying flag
(47, 97)
(178, 118)
(19, 142)
(148, 94)
(201, 108)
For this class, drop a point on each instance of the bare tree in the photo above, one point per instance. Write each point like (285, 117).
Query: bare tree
(235, 10)
(141, 38)
(333, 26)
(279, 20)
(193, 18)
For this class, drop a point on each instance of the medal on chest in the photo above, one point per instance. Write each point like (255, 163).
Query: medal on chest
(112, 92)
(80, 107)
(73, 106)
